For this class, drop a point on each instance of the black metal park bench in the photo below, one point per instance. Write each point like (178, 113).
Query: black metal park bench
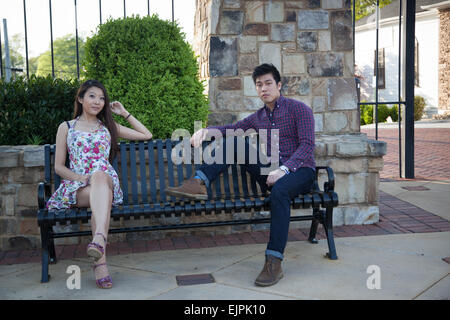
(146, 168)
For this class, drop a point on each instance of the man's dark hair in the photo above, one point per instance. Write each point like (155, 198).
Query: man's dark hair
(266, 68)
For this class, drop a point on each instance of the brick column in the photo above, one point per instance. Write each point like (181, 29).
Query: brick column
(444, 64)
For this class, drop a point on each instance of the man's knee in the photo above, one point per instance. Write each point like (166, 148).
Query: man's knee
(279, 191)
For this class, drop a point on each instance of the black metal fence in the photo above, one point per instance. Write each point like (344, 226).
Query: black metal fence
(407, 9)
(76, 33)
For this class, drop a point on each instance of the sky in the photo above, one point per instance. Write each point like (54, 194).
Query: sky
(63, 17)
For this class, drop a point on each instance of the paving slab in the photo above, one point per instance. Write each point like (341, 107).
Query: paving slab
(438, 291)
(435, 200)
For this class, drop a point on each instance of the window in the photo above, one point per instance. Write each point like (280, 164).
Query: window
(381, 68)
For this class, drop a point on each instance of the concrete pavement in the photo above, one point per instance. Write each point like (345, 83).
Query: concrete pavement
(409, 265)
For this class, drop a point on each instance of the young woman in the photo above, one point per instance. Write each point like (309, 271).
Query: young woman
(91, 142)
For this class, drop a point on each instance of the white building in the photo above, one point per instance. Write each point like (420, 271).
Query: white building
(427, 33)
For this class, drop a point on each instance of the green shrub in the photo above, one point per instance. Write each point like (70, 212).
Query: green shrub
(419, 106)
(383, 112)
(31, 110)
(394, 113)
(146, 64)
(361, 115)
(368, 114)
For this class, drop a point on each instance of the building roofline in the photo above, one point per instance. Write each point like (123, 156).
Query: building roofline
(440, 6)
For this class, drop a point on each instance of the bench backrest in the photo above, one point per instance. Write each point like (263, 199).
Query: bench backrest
(145, 169)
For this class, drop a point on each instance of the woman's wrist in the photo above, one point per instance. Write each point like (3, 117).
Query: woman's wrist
(127, 115)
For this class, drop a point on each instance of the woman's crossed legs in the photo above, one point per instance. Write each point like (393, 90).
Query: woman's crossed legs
(98, 195)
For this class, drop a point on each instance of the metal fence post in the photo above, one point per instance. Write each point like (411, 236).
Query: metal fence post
(408, 125)
(26, 37)
(7, 59)
(76, 41)
(1, 56)
(51, 38)
(100, 9)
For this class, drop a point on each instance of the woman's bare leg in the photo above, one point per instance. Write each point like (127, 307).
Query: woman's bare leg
(98, 196)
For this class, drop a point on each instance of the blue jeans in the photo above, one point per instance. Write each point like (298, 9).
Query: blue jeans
(281, 194)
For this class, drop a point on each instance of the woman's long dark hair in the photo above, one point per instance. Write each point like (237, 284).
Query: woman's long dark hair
(105, 115)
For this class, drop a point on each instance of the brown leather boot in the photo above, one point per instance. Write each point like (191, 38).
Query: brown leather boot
(271, 272)
(192, 189)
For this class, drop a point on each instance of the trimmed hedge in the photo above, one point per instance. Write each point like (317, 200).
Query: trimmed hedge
(419, 106)
(146, 64)
(31, 110)
(367, 114)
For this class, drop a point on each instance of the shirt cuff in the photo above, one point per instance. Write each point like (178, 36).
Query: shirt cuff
(293, 166)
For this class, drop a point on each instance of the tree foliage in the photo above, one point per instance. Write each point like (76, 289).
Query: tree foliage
(147, 65)
(366, 7)
(64, 56)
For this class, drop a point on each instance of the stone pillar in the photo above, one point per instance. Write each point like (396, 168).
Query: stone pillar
(310, 42)
(20, 170)
(444, 58)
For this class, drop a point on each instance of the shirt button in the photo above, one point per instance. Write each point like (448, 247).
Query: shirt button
(273, 124)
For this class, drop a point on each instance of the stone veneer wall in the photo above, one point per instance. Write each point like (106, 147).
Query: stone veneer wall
(21, 170)
(444, 64)
(310, 42)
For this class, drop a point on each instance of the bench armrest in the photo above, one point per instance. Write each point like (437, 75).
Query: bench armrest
(328, 185)
(44, 193)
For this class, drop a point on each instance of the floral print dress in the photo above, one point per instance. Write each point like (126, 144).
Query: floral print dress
(88, 152)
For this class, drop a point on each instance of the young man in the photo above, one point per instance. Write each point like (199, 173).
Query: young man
(294, 123)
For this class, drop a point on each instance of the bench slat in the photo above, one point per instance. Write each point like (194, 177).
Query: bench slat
(124, 172)
(226, 184)
(254, 187)
(162, 176)
(133, 169)
(170, 165)
(244, 182)
(143, 172)
(151, 169)
(48, 163)
(234, 172)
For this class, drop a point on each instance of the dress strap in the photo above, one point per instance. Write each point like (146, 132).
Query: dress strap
(76, 120)
(68, 124)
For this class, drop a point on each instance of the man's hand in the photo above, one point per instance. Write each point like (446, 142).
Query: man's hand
(198, 137)
(274, 176)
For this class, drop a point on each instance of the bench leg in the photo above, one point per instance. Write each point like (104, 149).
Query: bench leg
(45, 254)
(314, 225)
(328, 225)
(52, 252)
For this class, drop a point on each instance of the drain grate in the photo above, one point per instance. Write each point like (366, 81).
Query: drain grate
(192, 279)
(417, 188)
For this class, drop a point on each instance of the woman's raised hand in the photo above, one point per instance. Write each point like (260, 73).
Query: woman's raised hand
(118, 108)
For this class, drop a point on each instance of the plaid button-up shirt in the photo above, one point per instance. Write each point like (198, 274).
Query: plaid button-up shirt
(295, 123)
